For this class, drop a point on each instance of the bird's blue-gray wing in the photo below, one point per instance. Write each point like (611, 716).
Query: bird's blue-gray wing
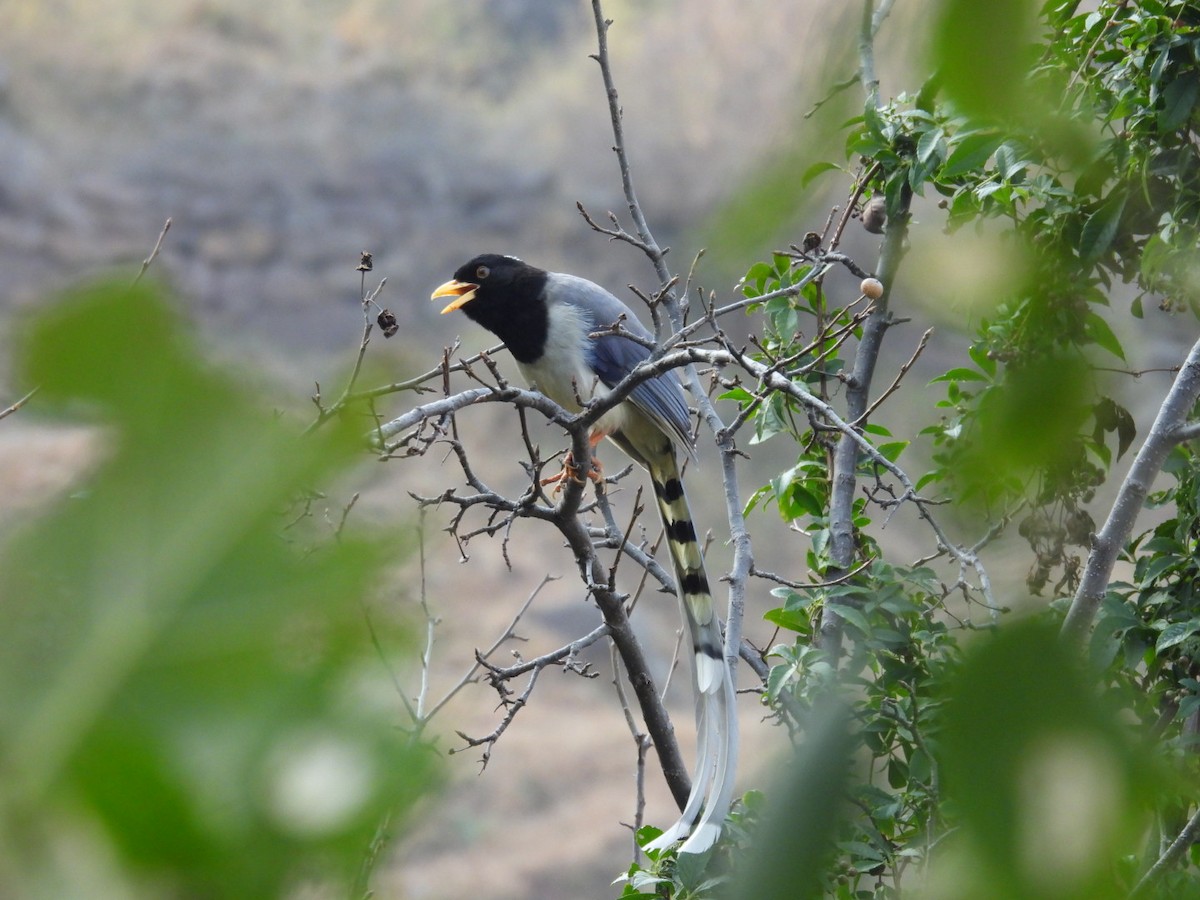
(661, 397)
(612, 356)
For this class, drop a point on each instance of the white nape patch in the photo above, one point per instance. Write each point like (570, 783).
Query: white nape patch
(562, 374)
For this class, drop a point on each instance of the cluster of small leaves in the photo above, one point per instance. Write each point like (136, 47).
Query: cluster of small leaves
(666, 874)
(901, 651)
(802, 335)
(1095, 184)
(1137, 68)
(797, 334)
(1149, 631)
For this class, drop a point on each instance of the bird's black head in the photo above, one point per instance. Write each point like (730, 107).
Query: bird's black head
(505, 296)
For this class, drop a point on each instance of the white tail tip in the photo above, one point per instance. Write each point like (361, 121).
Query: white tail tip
(709, 673)
(668, 838)
(702, 839)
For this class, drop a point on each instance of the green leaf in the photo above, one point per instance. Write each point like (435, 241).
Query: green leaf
(174, 670)
(770, 420)
(852, 615)
(791, 619)
(979, 355)
(961, 374)
(891, 451)
(970, 153)
(1156, 568)
(1101, 227)
(929, 145)
(741, 395)
(1099, 331)
(797, 500)
(874, 123)
(1176, 633)
(927, 479)
(1178, 99)
(814, 170)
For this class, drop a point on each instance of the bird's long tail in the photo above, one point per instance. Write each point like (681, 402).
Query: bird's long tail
(716, 715)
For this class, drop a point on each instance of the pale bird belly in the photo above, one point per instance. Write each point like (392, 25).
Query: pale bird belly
(568, 384)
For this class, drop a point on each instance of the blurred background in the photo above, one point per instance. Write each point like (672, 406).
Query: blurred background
(282, 138)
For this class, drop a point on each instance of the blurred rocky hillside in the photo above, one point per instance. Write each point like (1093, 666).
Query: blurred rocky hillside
(284, 137)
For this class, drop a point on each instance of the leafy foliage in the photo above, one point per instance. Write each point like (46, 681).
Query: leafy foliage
(1076, 155)
(179, 678)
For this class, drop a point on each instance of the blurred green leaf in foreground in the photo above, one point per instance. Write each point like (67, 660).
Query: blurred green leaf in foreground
(181, 678)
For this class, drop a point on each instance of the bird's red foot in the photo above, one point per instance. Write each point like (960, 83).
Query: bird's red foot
(573, 472)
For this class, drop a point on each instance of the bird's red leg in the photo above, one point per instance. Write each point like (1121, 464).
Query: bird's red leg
(570, 470)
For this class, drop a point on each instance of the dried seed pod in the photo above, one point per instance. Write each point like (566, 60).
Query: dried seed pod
(388, 323)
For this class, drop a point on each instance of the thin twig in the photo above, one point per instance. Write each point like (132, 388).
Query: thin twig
(895, 385)
(648, 244)
(642, 742)
(153, 253)
(17, 405)
(469, 677)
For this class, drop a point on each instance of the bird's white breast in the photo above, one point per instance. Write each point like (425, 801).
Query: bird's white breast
(562, 373)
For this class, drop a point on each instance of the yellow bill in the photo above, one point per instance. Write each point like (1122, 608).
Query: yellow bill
(463, 293)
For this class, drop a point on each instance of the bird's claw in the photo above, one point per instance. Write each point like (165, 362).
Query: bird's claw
(574, 473)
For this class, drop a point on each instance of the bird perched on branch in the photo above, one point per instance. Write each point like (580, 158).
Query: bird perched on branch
(560, 329)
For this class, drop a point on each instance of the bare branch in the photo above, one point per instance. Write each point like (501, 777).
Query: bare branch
(506, 635)
(646, 240)
(564, 655)
(512, 707)
(642, 742)
(324, 414)
(418, 383)
(1170, 427)
(1186, 838)
(894, 386)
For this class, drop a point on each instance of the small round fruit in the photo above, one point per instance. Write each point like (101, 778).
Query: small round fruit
(871, 288)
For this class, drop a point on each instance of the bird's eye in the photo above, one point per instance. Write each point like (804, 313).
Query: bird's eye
(482, 272)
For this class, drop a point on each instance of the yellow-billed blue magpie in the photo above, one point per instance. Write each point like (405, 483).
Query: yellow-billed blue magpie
(559, 329)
